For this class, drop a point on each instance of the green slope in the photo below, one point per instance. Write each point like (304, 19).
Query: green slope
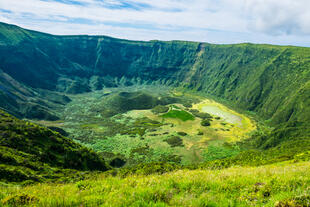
(32, 152)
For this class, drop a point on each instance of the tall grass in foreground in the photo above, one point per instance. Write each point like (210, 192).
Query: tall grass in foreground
(284, 184)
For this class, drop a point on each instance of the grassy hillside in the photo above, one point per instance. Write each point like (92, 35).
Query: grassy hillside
(35, 153)
(280, 185)
(39, 72)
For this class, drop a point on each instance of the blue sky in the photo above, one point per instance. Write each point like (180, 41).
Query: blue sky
(285, 22)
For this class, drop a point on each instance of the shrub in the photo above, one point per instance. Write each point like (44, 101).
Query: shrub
(205, 122)
(299, 201)
(202, 115)
(19, 200)
(182, 133)
(117, 162)
(174, 141)
(187, 105)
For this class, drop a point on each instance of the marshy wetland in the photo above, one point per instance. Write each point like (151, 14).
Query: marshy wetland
(147, 123)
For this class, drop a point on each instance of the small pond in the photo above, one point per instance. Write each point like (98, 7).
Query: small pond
(226, 115)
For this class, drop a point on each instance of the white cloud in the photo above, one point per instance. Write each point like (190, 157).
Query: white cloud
(280, 17)
(193, 14)
(226, 21)
(4, 19)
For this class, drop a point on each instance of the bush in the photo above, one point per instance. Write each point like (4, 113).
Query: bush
(117, 162)
(182, 133)
(194, 111)
(299, 201)
(19, 200)
(202, 115)
(205, 122)
(174, 141)
(187, 105)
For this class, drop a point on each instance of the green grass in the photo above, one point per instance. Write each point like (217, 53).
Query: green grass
(179, 114)
(271, 185)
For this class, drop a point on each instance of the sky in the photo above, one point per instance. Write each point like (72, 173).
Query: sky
(281, 22)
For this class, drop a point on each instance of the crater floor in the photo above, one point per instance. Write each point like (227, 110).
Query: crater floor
(124, 123)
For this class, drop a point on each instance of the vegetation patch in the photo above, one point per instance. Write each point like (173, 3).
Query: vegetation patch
(117, 162)
(160, 109)
(125, 101)
(182, 133)
(19, 200)
(134, 131)
(140, 126)
(202, 115)
(143, 150)
(187, 105)
(216, 152)
(146, 122)
(298, 201)
(179, 114)
(174, 141)
(205, 122)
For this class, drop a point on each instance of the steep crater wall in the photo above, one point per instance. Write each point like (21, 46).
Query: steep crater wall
(273, 81)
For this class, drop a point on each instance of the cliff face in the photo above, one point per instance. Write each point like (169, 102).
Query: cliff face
(273, 81)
